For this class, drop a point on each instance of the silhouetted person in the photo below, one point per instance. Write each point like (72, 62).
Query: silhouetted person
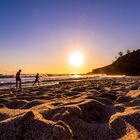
(18, 79)
(36, 79)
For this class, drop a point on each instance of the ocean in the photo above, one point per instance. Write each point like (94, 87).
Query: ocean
(8, 81)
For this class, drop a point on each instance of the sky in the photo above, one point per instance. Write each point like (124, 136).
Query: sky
(39, 35)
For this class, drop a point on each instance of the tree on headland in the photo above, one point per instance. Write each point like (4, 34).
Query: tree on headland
(128, 51)
(120, 54)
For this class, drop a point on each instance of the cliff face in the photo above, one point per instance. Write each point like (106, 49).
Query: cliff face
(128, 64)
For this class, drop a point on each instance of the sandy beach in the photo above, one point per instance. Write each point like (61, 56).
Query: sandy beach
(105, 109)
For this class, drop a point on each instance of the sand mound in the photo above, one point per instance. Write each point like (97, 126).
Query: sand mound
(3, 116)
(126, 125)
(32, 104)
(3, 100)
(109, 96)
(79, 89)
(79, 127)
(94, 110)
(100, 99)
(58, 91)
(28, 98)
(134, 94)
(33, 126)
(132, 97)
(62, 131)
(134, 87)
(72, 93)
(54, 114)
(15, 104)
(2, 105)
(122, 99)
(135, 102)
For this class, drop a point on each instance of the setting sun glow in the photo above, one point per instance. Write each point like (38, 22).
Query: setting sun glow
(76, 59)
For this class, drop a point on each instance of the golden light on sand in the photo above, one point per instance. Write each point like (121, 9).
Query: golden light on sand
(76, 59)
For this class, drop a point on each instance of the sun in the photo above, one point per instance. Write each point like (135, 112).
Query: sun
(76, 59)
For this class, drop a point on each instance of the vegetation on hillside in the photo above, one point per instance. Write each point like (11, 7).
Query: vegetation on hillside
(128, 64)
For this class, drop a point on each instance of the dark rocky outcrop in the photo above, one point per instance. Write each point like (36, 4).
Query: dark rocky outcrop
(128, 64)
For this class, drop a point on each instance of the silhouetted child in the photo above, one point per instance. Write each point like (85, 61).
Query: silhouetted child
(36, 79)
(18, 79)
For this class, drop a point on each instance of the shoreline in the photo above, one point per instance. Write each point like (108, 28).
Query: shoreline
(48, 81)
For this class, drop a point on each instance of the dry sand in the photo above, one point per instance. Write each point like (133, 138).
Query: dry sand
(107, 109)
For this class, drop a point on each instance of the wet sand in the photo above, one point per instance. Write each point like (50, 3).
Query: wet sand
(106, 109)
